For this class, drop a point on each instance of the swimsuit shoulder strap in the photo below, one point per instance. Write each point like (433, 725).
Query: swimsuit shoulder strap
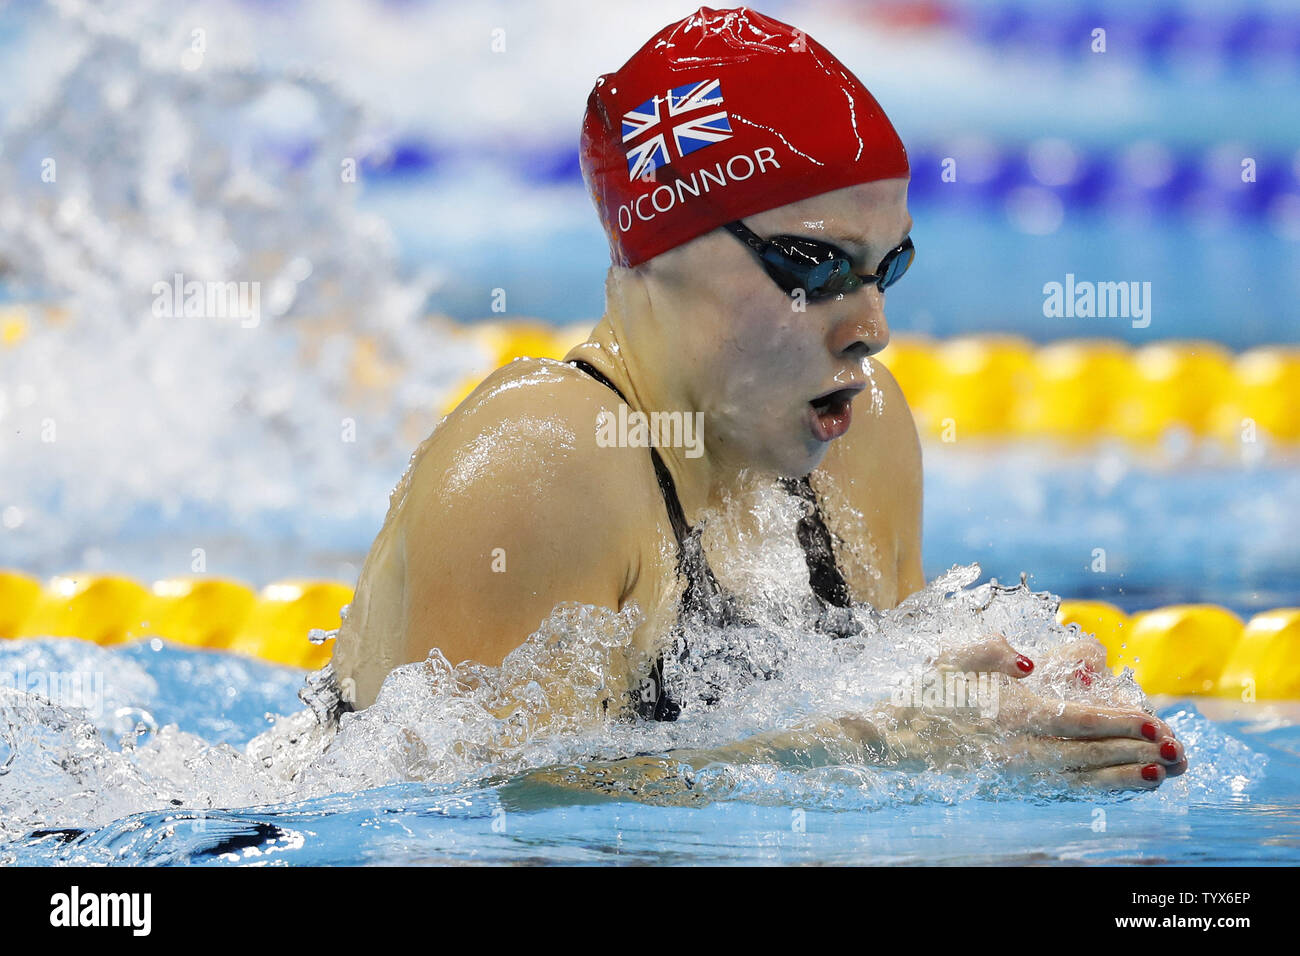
(824, 572)
(653, 702)
(667, 487)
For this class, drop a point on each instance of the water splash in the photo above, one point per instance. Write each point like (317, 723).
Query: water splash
(139, 165)
(540, 724)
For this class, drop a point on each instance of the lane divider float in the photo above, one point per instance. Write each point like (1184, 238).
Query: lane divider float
(1185, 649)
(1198, 648)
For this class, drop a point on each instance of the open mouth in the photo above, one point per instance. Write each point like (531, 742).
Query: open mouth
(830, 414)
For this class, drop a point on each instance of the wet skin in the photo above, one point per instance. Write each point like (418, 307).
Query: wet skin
(515, 475)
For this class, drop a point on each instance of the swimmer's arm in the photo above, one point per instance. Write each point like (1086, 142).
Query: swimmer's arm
(1108, 748)
(669, 777)
(520, 513)
(817, 742)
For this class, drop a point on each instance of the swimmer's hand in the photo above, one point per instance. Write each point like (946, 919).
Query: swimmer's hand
(1090, 746)
(1109, 748)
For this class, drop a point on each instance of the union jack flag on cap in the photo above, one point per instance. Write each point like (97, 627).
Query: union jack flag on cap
(694, 120)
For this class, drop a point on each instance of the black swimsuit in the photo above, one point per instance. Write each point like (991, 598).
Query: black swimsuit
(703, 600)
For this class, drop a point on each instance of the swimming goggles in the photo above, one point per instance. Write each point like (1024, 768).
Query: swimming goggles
(820, 269)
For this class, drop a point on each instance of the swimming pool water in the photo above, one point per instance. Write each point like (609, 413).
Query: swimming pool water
(1253, 818)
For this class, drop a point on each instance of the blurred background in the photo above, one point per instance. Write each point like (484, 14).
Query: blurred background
(381, 167)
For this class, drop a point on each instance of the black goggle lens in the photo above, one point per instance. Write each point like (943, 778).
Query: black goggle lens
(818, 269)
(894, 265)
(821, 270)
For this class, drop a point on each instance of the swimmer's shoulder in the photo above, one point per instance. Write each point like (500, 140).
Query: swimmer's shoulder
(543, 404)
(877, 465)
(527, 385)
(899, 422)
(878, 460)
(534, 423)
(516, 469)
(883, 429)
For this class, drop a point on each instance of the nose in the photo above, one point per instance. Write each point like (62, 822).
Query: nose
(861, 329)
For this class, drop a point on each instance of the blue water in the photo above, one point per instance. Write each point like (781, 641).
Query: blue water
(416, 825)
(526, 820)
(1173, 528)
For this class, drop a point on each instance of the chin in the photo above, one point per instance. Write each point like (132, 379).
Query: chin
(799, 458)
(790, 450)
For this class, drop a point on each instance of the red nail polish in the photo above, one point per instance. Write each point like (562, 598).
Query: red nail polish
(1149, 731)
(1168, 750)
(1150, 773)
(1024, 663)
(1083, 673)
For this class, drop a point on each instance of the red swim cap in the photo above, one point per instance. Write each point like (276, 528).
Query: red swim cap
(719, 116)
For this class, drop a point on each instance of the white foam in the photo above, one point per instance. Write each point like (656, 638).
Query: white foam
(519, 723)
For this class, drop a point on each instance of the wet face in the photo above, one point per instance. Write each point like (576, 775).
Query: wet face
(775, 376)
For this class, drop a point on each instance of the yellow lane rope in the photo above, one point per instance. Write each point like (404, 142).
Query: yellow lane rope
(1182, 649)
